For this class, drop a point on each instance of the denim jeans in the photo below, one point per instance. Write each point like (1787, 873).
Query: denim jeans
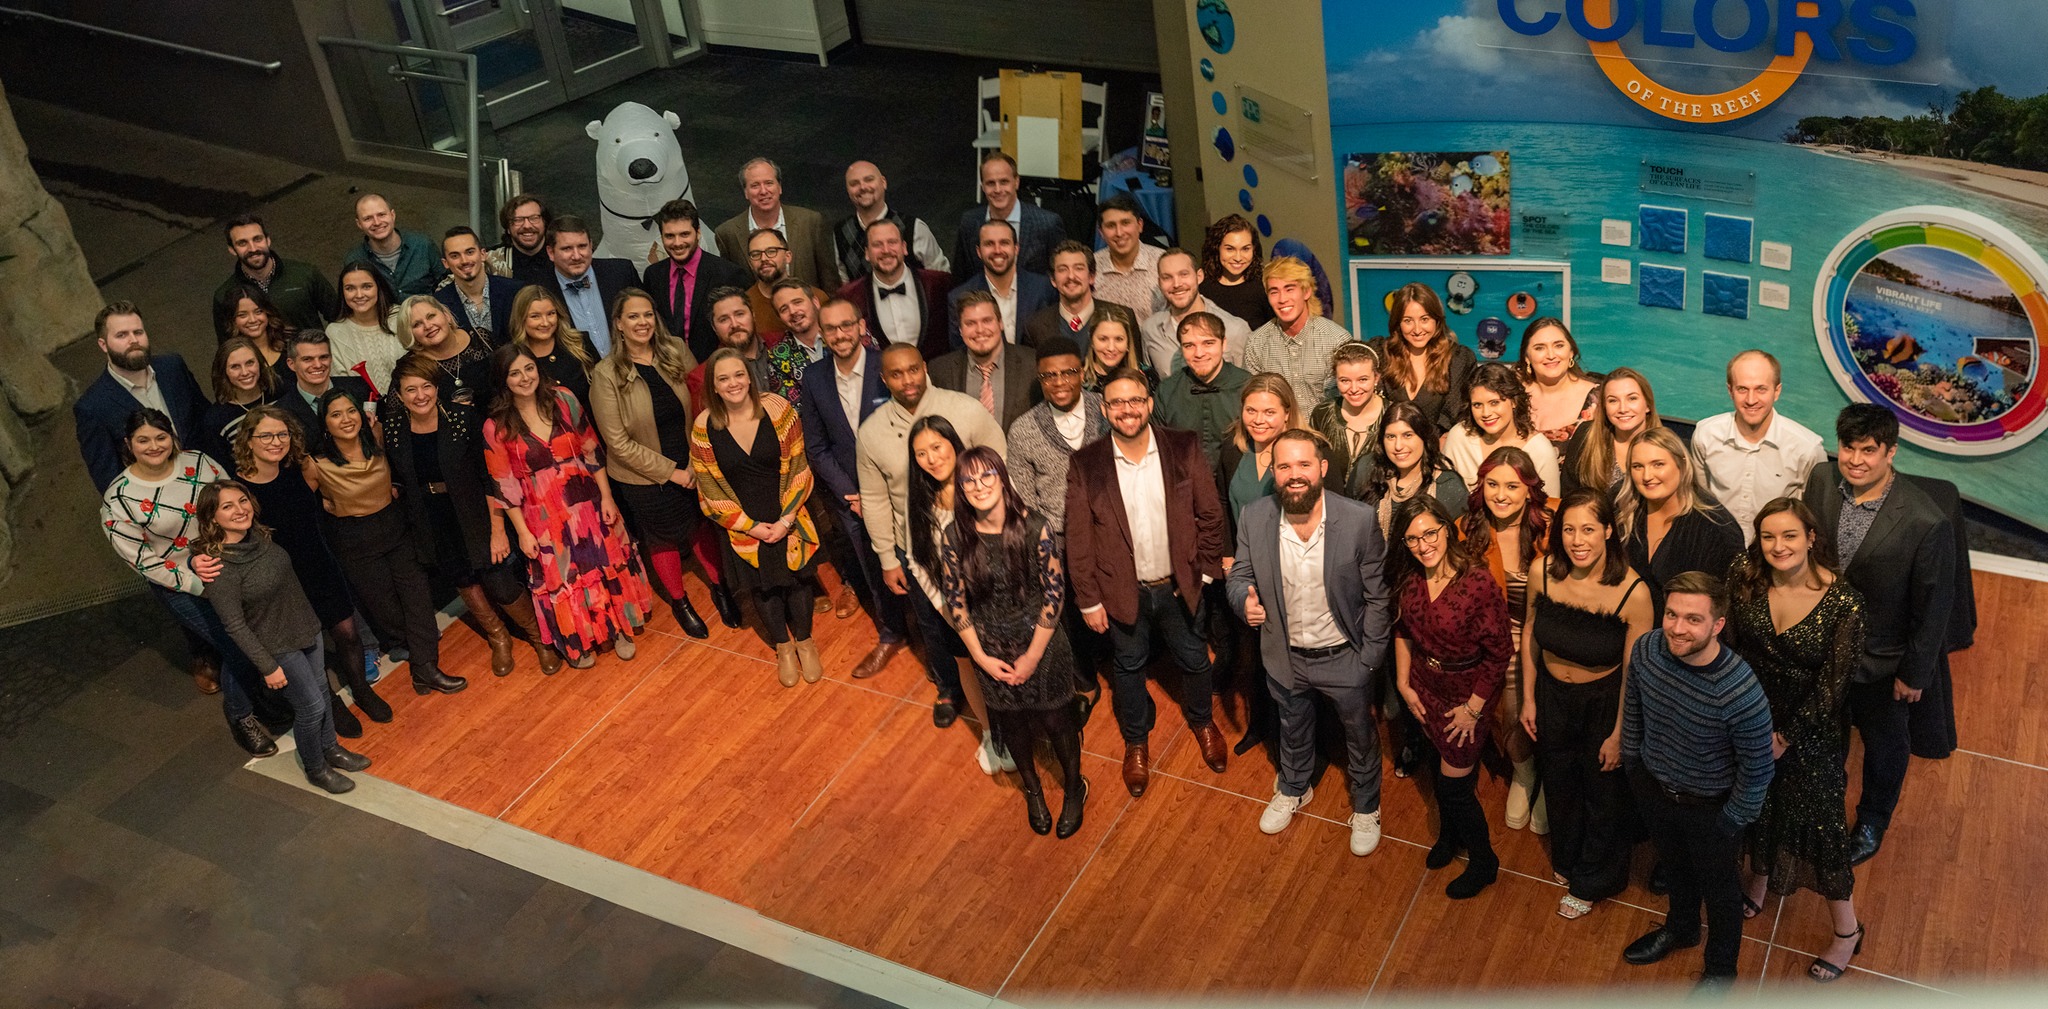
(240, 683)
(1159, 611)
(305, 687)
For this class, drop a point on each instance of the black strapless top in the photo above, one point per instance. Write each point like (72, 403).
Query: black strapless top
(1593, 640)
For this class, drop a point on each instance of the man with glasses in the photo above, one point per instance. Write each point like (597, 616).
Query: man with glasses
(1144, 536)
(999, 375)
(523, 255)
(838, 393)
(768, 258)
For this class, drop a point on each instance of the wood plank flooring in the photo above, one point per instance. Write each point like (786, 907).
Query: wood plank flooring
(838, 809)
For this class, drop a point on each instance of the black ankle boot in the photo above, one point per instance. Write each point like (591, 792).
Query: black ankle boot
(251, 736)
(427, 678)
(728, 608)
(346, 760)
(1034, 808)
(346, 724)
(330, 779)
(1070, 811)
(686, 615)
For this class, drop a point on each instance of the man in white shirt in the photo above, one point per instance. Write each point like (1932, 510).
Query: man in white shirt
(1180, 284)
(904, 304)
(1753, 454)
(1309, 574)
(1126, 267)
(868, 190)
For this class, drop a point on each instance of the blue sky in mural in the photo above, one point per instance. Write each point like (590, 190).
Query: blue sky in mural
(1436, 60)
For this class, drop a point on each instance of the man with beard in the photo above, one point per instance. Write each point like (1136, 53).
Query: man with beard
(732, 325)
(1002, 376)
(302, 294)
(768, 257)
(1180, 282)
(1696, 745)
(1073, 315)
(906, 304)
(803, 232)
(1144, 536)
(682, 283)
(801, 346)
(1019, 293)
(405, 258)
(868, 190)
(480, 301)
(1309, 575)
(524, 220)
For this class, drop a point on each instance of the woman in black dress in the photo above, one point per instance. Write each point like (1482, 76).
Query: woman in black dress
(1787, 580)
(540, 324)
(1669, 520)
(241, 381)
(1425, 363)
(270, 456)
(462, 360)
(1004, 583)
(747, 448)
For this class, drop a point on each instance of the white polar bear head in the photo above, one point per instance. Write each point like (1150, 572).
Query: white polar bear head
(639, 168)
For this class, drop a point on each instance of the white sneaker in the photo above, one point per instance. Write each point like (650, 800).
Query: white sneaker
(1280, 812)
(985, 755)
(1365, 833)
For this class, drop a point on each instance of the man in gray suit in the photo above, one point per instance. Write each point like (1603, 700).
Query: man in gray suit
(1314, 586)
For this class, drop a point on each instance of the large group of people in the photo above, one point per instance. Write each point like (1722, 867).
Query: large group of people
(1042, 465)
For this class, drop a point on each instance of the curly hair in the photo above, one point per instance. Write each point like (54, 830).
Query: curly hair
(1212, 247)
(244, 447)
(1501, 380)
(211, 536)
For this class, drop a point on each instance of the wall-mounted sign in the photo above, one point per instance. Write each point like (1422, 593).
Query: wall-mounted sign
(1703, 182)
(1796, 32)
(1277, 132)
(1938, 313)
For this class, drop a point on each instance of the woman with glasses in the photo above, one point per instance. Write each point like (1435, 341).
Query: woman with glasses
(1451, 653)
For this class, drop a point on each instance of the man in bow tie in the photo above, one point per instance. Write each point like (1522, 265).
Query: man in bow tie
(903, 304)
(586, 285)
(1206, 395)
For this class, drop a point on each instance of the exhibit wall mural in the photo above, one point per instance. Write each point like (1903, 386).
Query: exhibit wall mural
(1858, 186)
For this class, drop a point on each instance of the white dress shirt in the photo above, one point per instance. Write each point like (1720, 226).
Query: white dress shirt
(1071, 424)
(898, 314)
(850, 385)
(147, 392)
(1310, 624)
(1143, 485)
(1006, 307)
(922, 244)
(1748, 476)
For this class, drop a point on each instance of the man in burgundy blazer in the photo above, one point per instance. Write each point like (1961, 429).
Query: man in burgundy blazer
(921, 316)
(688, 313)
(1144, 535)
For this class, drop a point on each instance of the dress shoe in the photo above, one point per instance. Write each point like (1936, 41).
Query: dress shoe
(728, 608)
(1137, 768)
(205, 676)
(848, 604)
(1660, 881)
(687, 618)
(1280, 810)
(946, 711)
(1478, 875)
(1034, 809)
(250, 735)
(332, 780)
(1656, 944)
(624, 648)
(1864, 842)
(1215, 751)
(1365, 833)
(877, 659)
(821, 605)
(787, 668)
(1070, 811)
(807, 659)
(346, 760)
(428, 679)
(346, 724)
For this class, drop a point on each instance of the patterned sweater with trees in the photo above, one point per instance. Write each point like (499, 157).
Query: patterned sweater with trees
(152, 524)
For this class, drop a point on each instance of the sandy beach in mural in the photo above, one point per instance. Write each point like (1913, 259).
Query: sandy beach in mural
(2029, 189)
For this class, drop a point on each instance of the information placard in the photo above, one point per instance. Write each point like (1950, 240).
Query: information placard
(1701, 182)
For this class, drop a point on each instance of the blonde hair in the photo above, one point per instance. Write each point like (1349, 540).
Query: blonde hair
(672, 357)
(566, 333)
(1289, 268)
(1269, 382)
(1596, 453)
(1692, 492)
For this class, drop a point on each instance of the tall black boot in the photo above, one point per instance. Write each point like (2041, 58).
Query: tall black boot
(346, 725)
(1484, 866)
(1448, 843)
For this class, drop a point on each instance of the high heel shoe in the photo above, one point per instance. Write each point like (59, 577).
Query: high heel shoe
(1823, 971)
(1035, 811)
(1070, 811)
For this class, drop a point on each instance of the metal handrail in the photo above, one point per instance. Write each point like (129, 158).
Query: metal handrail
(271, 67)
(469, 83)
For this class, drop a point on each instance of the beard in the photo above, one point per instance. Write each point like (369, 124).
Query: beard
(136, 359)
(256, 262)
(1299, 501)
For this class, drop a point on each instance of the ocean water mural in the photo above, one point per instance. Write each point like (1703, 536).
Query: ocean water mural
(1926, 324)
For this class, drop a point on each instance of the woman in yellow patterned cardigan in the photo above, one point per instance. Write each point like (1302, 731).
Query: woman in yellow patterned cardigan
(747, 449)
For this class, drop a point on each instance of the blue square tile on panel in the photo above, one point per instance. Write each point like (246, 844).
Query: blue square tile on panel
(1661, 229)
(1725, 294)
(1660, 286)
(1729, 237)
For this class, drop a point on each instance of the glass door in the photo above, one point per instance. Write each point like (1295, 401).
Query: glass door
(533, 55)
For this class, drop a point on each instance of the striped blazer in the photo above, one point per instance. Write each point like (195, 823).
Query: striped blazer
(722, 504)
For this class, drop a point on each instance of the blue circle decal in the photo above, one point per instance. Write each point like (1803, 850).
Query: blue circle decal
(1208, 69)
(1265, 226)
(1221, 103)
(1251, 176)
(1225, 146)
(1218, 28)
(1244, 199)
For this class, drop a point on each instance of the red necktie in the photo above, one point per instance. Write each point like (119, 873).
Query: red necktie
(1074, 324)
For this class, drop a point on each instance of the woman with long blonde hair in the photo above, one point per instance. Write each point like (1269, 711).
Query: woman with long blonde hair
(1597, 455)
(1669, 520)
(540, 323)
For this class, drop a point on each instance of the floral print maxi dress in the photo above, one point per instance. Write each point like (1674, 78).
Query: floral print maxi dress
(587, 583)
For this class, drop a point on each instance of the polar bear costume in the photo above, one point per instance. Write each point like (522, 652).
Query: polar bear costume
(639, 168)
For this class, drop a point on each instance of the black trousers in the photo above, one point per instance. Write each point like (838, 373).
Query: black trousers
(1589, 838)
(937, 642)
(1702, 864)
(376, 555)
(846, 539)
(1884, 723)
(1160, 612)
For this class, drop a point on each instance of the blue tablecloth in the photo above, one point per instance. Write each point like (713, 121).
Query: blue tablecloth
(1155, 199)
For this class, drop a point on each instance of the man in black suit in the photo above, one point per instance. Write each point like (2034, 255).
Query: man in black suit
(1895, 545)
(1003, 376)
(682, 283)
(905, 305)
(1038, 229)
(479, 300)
(134, 379)
(1019, 293)
(586, 285)
(839, 392)
(311, 365)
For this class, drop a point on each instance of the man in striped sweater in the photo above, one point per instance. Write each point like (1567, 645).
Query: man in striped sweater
(1696, 743)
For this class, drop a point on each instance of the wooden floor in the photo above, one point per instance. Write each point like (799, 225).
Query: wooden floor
(837, 808)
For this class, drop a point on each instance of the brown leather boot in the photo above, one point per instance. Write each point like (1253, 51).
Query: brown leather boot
(486, 617)
(521, 612)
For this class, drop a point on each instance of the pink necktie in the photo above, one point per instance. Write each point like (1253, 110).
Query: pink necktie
(988, 386)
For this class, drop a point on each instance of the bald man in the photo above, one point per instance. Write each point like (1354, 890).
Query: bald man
(868, 190)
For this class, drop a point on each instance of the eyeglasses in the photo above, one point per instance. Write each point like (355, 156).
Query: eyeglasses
(269, 435)
(844, 327)
(527, 219)
(1428, 539)
(976, 481)
(1062, 375)
(757, 255)
(1127, 404)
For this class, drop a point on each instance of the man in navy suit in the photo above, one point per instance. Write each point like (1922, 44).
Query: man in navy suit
(839, 392)
(133, 379)
(681, 284)
(1038, 229)
(903, 304)
(480, 301)
(1019, 293)
(584, 285)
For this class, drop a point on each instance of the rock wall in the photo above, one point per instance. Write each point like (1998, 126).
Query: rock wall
(47, 300)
